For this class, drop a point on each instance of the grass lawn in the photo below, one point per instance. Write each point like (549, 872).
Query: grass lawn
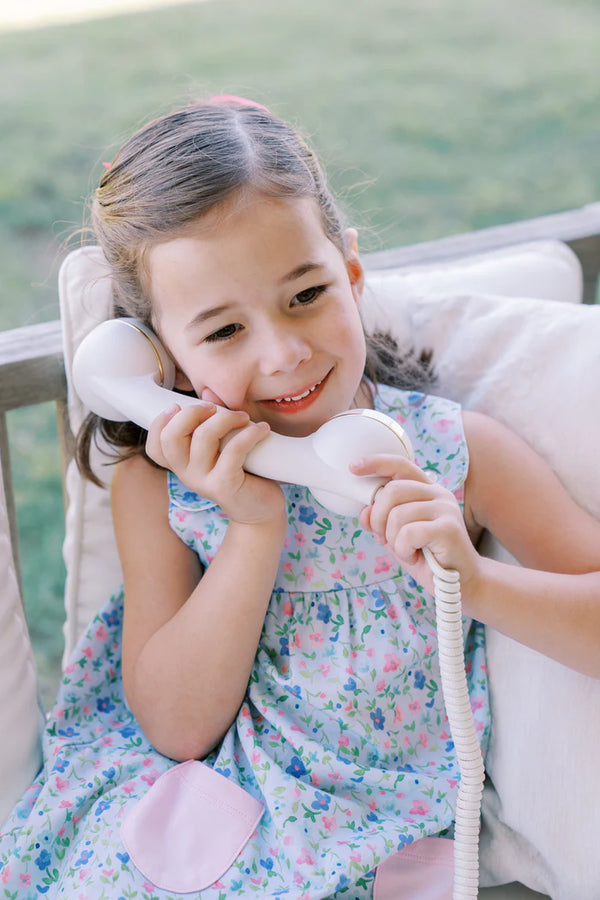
(433, 117)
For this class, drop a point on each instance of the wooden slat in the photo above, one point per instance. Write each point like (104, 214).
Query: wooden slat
(579, 228)
(31, 366)
(9, 496)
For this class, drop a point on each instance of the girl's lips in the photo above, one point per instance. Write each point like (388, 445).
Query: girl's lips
(294, 406)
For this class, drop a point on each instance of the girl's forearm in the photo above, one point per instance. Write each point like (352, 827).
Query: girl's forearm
(555, 614)
(191, 676)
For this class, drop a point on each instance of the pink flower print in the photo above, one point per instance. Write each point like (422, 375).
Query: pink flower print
(287, 567)
(181, 515)
(424, 738)
(288, 839)
(361, 554)
(70, 668)
(305, 857)
(316, 637)
(287, 608)
(337, 573)
(419, 808)
(24, 880)
(150, 777)
(344, 740)
(296, 641)
(329, 822)
(198, 535)
(325, 669)
(86, 710)
(87, 651)
(107, 741)
(309, 572)
(371, 652)
(372, 804)
(428, 649)
(392, 612)
(442, 425)
(101, 633)
(65, 804)
(255, 757)
(355, 856)
(382, 564)
(129, 788)
(147, 762)
(415, 706)
(5, 874)
(399, 715)
(381, 686)
(61, 783)
(300, 538)
(391, 662)
(298, 877)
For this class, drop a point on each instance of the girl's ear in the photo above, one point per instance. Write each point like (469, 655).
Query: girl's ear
(353, 264)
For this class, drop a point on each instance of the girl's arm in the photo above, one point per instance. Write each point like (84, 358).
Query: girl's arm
(552, 604)
(189, 639)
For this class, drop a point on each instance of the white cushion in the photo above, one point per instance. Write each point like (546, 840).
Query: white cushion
(530, 363)
(21, 717)
(536, 367)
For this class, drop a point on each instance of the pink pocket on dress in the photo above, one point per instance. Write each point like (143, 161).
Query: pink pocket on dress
(189, 828)
(424, 870)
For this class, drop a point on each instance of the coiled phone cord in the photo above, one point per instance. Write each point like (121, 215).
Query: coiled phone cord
(460, 717)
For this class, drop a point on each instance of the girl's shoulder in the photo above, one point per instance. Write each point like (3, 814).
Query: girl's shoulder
(434, 426)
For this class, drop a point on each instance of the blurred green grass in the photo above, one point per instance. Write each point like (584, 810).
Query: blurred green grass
(431, 117)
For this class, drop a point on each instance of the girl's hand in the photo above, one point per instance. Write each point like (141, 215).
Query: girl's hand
(188, 442)
(411, 512)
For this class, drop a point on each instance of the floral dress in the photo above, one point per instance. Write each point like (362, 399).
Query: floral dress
(342, 737)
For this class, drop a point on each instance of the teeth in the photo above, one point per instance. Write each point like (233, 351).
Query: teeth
(299, 396)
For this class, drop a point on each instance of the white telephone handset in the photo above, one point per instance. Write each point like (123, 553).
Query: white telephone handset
(122, 373)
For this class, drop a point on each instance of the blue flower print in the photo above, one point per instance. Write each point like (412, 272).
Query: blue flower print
(379, 598)
(296, 767)
(190, 497)
(84, 858)
(111, 619)
(419, 680)
(322, 803)
(60, 764)
(43, 860)
(267, 863)
(102, 807)
(324, 613)
(307, 514)
(350, 685)
(127, 731)
(378, 719)
(284, 646)
(104, 705)
(123, 857)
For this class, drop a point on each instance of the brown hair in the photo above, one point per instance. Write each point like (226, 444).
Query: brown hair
(172, 172)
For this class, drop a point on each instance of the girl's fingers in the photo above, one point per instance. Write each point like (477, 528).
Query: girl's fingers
(391, 466)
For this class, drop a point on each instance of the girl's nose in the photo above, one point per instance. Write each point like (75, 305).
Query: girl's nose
(282, 350)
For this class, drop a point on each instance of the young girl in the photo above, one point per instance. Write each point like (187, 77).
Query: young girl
(290, 648)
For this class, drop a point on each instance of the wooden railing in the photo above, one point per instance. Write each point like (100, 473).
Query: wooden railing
(31, 358)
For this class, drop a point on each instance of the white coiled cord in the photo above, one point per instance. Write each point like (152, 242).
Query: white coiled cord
(462, 727)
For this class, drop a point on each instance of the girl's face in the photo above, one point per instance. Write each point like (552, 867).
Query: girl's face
(259, 309)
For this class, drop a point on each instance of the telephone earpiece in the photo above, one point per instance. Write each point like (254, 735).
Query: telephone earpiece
(122, 372)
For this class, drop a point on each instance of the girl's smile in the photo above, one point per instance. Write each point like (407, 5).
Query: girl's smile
(260, 311)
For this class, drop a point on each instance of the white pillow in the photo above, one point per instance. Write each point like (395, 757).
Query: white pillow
(536, 367)
(21, 716)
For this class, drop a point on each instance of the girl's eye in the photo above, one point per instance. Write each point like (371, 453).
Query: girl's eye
(223, 334)
(303, 298)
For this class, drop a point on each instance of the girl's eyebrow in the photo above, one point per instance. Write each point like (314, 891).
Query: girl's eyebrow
(204, 315)
(303, 269)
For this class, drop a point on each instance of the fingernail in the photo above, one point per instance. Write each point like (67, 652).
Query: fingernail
(379, 539)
